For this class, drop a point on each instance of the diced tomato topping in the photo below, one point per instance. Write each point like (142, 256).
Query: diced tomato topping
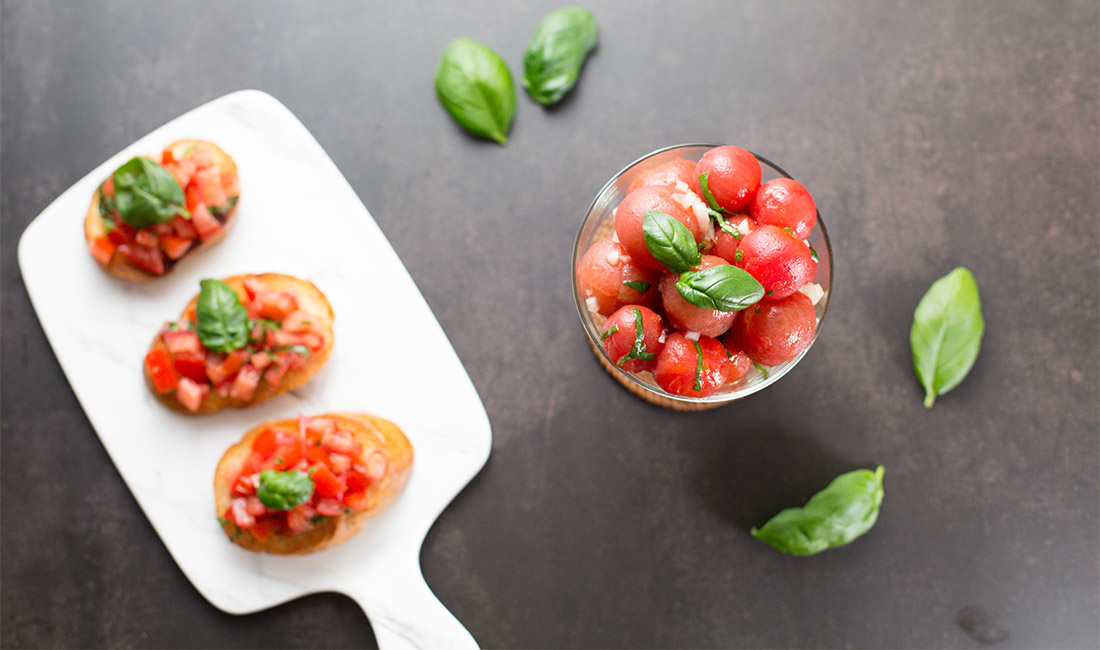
(179, 341)
(356, 500)
(327, 484)
(108, 186)
(340, 442)
(300, 519)
(298, 321)
(209, 182)
(122, 233)
(330, 508)
(145, 237)
(255, 507)
(235, 361)
(340, 463)
(191, 198)
(276, 305)
(266, 443)
(146, 258)
(183, 227)
(260, 360)
(220, 368)
(376, 465)
(320, 426)
(275, 372)
(290, 456)
(204, 222)
(238, 513)
(294, 360)
(167, 156)
(102, 249)
(245, 383)
(243, 486)
(191, 394)
(160, 369)
(263, 528)
(201, 156)
(254, 286)
(174, 246)
(315, 454)
(356, 481)
(191, 365)
(313, 341)
(231, 184)
(183, 171)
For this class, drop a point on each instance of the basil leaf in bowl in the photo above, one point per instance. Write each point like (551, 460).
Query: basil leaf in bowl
(557, 52)
(222, 320)
(146, 193)
(669, 241)
(947, 333)
(475, 86)
(724, 287)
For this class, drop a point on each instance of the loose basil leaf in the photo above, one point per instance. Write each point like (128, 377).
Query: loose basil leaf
(843, 511)
(641, 286)
(669, 241)
(724, 287)
(556, 53)
(704, 185)
(222, 319)
(947, 333)
(284, 490)
(475, 86)
(146, 193)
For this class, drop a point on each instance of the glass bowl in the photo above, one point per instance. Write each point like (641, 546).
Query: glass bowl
(599, 224)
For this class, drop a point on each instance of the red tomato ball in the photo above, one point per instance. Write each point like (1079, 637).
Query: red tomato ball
(631, 212)
(784, 202)
(739, 361)
(630, 295)
(733, 174)
(772, 332)
(600, 275)
(619, 338)
(691, 368)
(664, 175)
(725, 244)
(778, 261)
(685, 316)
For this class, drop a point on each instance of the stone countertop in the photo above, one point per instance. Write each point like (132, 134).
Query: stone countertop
(931, 135)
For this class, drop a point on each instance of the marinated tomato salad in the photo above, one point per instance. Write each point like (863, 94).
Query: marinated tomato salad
(291, 481)
(154, 213)
(707, 273)
(227, 344)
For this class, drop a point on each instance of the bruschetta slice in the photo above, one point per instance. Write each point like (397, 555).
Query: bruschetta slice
(150, 213)
(299, 486)
(240, 341)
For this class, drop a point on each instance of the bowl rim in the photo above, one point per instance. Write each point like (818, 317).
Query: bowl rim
(718, 398)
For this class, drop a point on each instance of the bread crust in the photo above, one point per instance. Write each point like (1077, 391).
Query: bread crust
(372, 432)
(310, 300)
(118, 266)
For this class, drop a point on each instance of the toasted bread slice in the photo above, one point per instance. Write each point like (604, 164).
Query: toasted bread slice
(310, 300)
(118, 266)
(372, 432)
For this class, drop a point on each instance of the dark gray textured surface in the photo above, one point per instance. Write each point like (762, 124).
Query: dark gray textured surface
(931, 134)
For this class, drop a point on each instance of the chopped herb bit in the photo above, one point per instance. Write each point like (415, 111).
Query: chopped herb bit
(306, 322)
(698, 366)
(768, 293)
(223, 521)
(316, 518)
(707, 196)
(608, 332)
(638, 350)
(348, 511)
(641, 286)
(762, 369)
(813, 253)
(173, 326)
(723, 224)
(298, 349)
(788, 230)
(738, 256)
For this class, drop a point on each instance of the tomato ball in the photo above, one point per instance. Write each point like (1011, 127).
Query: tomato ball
(619, 338)
(631, 212)
(784, 202)
(640, 286)
(725, 244)
(600, 273)
(733, 175)
(665, 175)
(778, 261)
(691, 368)
(683, 315)
(772, 332)
(739, 361)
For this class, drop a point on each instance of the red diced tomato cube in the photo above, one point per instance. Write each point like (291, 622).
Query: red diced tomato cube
(201, 156)
(260, 360)
(320, 426)
(191, 198)
(238, 513)
(183, 171)
(145, 237)
(294, 360)
(255, 507)
(205, 223)
(209, 182)
(102, 249)
(214, 369)
(340, 463)
(160, 369)
(290, 455)
(245, 383)
(146, 258)
(263, 528)
(191, 393)
(183, 227)
(300, 519)
(180, 341)
(327, 484)
(315, 454)
(191, 365)
(275, 372)
(277, 304)
(231, 184)
(340, 442)
(174, 246)
(108, 186)
(330, 507)
(244, 486)
(356, 500)
(313, 340)
(265, 443)
(298, 321)
(356, 481)
(254, 286)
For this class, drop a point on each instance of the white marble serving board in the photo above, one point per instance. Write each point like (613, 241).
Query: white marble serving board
(297, 215)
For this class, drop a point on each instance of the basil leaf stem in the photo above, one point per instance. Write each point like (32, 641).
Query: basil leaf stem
(724, 287)
(475, 86)
(670, 242)
(222, 319)
(698, 366)
(947, 333)
(847, 508)
(556, 53)
(146, 193)
(284, 490)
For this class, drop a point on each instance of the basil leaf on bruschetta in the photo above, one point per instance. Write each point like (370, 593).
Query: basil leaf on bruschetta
(146, 193)
(222, 319)
(284, 490)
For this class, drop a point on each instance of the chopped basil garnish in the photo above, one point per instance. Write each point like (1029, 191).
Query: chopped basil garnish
(724, 287)
(723, 224)
(698, 366)
(738, 256)
(299, 349)
(219, 210)
(641, 286)
(707, 196)
(669, 241)
(638, 350)
(813, 253)
(173, 326)
(222, 319)
(608, 332)
(284, 490)
(146, 193)
(768, 293)
(762, 369)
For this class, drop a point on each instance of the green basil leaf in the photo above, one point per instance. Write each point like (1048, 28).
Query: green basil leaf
(843, 511)
(724, 287)
(761, 369)
(637, 351)
(284, 490)
(475, 86)
(609, 332)
(704, 185)
(146, 193)
(813, 253)
(222, 319)
(947, 333)
(641, 286)
(557, 52)
(669, 241)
